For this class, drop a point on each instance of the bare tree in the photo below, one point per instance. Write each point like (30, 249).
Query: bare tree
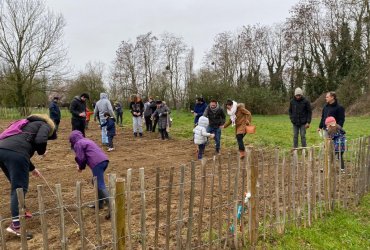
(30, 44)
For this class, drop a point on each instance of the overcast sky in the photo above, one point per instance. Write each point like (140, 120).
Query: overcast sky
(95, 27)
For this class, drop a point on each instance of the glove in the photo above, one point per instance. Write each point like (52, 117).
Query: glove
(160, 114)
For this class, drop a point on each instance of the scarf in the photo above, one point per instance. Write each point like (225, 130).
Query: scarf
(231, 112)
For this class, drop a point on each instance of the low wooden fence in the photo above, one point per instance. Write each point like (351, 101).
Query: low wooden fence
(222, 203)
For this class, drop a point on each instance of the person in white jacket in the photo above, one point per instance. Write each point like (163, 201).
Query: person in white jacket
(201, 135)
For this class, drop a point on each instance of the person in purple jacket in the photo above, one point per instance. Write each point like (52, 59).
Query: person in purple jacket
(89, 153)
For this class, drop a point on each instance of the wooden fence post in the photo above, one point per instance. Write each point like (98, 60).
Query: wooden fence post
(235, 199)
(157, 207)
(40, 198)
(253, 208)
(277, 193)
(180, 221)
(143, 213)
(2, 235)
(327, 174)
(202, 196)
(22, 220)
(113, 208)
(168, 216)
(63, 237)
(191, 206)
(97, 217)
(129, 201)
(80, 215)
(121, 212)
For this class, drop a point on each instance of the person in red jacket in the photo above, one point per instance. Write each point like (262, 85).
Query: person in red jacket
(88, 114)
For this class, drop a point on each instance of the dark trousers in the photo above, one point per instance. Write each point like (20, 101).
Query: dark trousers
(341, 159)
(164, 133)
(148, 123)
(119, 118)
(300, 129)
(16, 169)
(79, 124)
(110, 141)
(239, 139)
(201, 149)
(154, 124)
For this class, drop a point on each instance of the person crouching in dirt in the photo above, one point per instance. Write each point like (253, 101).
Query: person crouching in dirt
(162, 112)
(16, 151)
(337, 134)
(240, 117)
(89, 153)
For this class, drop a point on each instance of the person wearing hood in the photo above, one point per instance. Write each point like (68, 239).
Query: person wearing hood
(240, 117)
(300, 114)
(90, 154)
(78, 111)
(102, 106)
(201, 135)
(16, 151)
(332, 108)
(216, 117)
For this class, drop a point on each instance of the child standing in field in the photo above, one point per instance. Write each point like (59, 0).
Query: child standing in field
(111, 129)
(88, 115)
(337, 134)
(88, 153)
(201, 135)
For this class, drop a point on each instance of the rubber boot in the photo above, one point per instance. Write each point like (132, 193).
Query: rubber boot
(242, 154)
(105, 198)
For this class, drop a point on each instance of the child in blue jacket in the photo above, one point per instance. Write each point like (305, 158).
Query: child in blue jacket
(111, 129)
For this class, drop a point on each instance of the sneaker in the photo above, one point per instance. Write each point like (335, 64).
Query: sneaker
(141, 134)
(93, 206)
(110, 149)
(135, 134)
(28, 215)
(17, 231)
(342, 170)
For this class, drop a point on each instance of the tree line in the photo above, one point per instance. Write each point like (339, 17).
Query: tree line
(323, 45)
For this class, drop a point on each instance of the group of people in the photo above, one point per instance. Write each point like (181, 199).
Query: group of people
(331, 123)
(22, 139)
(210, 119)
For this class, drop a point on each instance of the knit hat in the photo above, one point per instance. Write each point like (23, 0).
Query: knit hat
(298, 91)
(330, 120)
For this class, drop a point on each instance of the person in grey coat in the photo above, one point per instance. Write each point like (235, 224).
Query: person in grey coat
(163, 114)
(102, 106)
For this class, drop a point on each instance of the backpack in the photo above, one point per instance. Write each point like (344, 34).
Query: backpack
(14, 128)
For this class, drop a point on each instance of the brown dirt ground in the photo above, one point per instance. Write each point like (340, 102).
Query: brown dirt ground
(58, 167)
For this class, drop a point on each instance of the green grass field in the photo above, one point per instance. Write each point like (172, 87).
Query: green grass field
(343, 229)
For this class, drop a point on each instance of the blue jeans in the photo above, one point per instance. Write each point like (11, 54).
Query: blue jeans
(16, 169)
(217, 132)
(98, 171)
(300, 129)
(104, 137)
(201, 149)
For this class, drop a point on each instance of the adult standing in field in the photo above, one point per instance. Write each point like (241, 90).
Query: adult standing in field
(148, 111)
(54, 112)
(331, 108)
(119, 113)
(300, 114)
(102, 106)
(240, 117)
(16, 150)
(216, 117)
(199, 108)
(163, 114)
(78, 111)
(137, 109)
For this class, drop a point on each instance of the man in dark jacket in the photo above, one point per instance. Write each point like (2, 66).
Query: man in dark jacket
(216, 117)
(54, 112)
(199, 108)
(300, 114)
(16, 152)
(332, 108)
(78, 111)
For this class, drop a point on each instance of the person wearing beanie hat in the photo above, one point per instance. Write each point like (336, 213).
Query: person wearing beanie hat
(331, 108)
(330, 121)
(300, 114)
